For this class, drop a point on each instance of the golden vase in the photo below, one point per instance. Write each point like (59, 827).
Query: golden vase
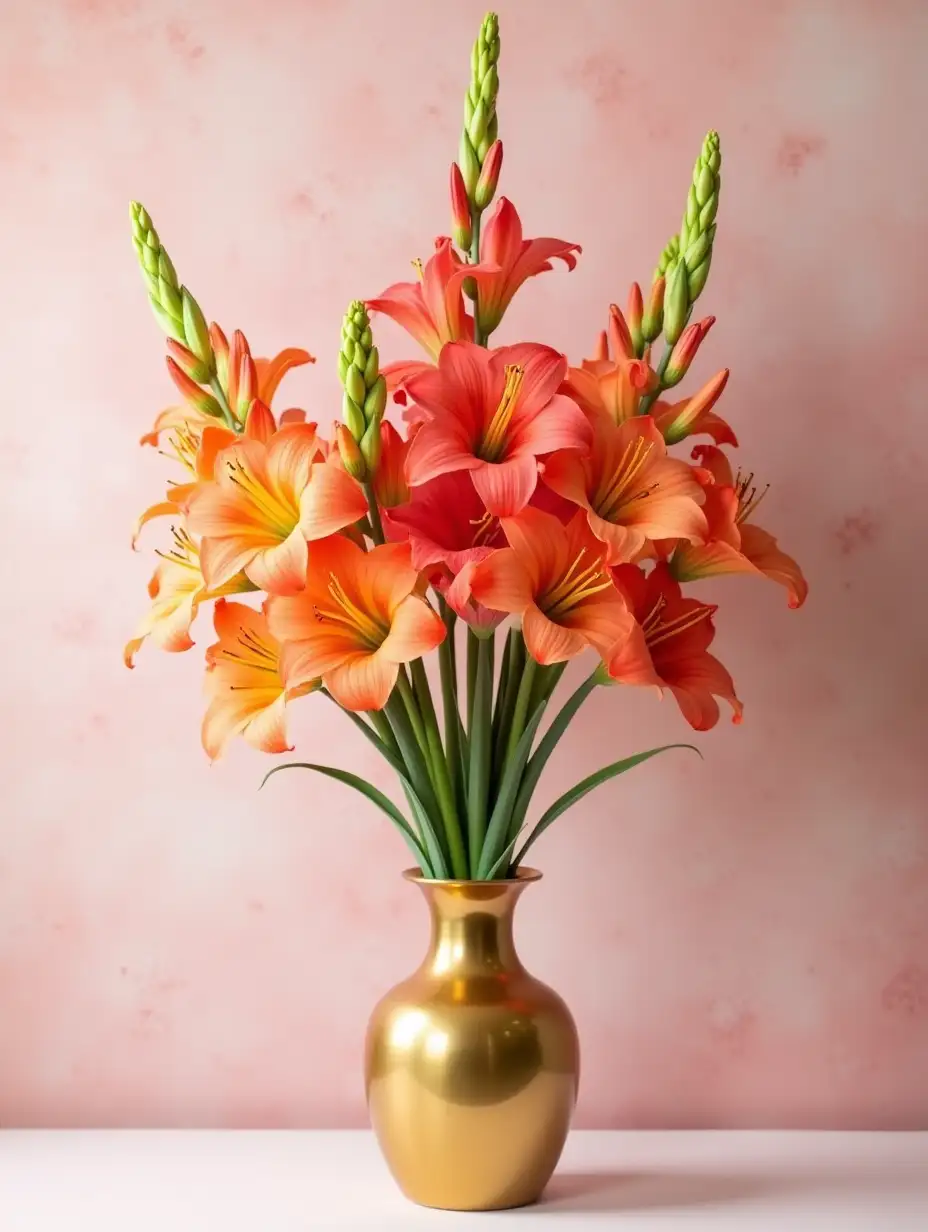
(471, 1064)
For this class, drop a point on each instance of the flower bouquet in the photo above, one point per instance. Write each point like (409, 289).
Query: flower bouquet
(528, 512)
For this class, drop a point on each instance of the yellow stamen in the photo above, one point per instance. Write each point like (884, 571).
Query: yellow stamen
(662, 632)
(573, 587)
(184, 552)
(486, 529)
(417, 266)
(653, 618)
(346, 613)
(613, 493)
(494, 438)
(281, 515)
(748, 496)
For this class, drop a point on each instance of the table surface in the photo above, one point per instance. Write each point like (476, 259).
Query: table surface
(289, 1181)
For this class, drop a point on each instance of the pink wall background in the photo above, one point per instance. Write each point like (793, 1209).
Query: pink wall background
(744, 940)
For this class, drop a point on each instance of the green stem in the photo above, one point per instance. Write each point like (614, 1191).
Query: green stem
(412, 711)
(506, 698)
(473, 657)
(449, 703)
(478, 778)
(545, 683)
(474, 255)
(441, 779)
(521, 711)
(374, 509)
(416, 766)
(231, 421)
(648, 400)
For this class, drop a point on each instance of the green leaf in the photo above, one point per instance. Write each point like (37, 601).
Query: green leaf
(478, 776)
(546, 747)
(384, 803)
(437, 866)
(509, 786)
(576, 793)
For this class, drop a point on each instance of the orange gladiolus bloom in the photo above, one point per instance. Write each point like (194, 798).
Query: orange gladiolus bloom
(733, 544)
(357, 619)
(432, 308)
(630, 489)
(612, 384)
(264, 502)
(246, 693)
(507, 260)
(177, 589)
(676, 633)
(555, 577)
(492, 413)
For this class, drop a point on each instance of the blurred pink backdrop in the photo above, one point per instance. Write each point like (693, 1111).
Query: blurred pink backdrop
(744, 940)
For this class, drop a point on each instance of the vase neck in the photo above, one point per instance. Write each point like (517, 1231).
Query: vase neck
(471, 928)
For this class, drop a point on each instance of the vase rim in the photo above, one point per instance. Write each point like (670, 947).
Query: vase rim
(524, 876)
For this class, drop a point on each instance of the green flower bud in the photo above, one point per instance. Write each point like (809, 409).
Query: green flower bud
(676, 301)
(376, 400)
(365, 388)
(158, 273)
(371, 443)
(196, 332)
(697, 231)
(480, 121)
(668, 256)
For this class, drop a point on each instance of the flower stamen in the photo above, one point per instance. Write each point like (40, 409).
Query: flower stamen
(613, 492)
(494, 439)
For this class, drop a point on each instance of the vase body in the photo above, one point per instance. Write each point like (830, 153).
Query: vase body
(471, 1064)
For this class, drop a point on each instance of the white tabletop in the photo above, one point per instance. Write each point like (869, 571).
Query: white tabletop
(171, 1181)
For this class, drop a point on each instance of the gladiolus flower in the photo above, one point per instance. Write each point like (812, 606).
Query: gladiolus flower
(694, 416)
(264, 502)
(733, 544)
(676, 633)
(431, 309)
(493, 413)
(355, 622)
(176, 590)
(630, 490)
(554, 577)
(247, 695)
(613, 381)
(449, 531)
(507, 260)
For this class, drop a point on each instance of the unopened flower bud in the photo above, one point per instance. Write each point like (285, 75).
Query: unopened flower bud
(461, 230)
(676, 301)
(684, 352)
(188, 362)
(653, 320)
(191, 391)
(634, 312)
(693, 411)
(350, 453)
(489, 176)
(196, 331)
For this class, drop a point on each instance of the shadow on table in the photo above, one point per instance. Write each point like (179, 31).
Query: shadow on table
(627, 1191)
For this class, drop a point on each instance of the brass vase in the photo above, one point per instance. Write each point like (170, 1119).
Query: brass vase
(471, 1064)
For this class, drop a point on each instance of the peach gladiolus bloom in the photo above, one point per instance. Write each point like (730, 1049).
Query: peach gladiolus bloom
(492, 413)
(507, 260)
(555, 577)
(628, 486)
(613, 381)
(358, 618)
(733, 544)
(676, 633)
(246, 693)
(176, 590)
(264, 502)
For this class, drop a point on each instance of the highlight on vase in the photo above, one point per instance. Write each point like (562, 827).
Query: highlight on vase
(483, 502)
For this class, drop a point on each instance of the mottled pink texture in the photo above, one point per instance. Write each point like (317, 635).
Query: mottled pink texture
(744, 940)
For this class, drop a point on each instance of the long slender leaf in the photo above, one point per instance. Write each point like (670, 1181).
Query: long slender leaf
(502, 810)
(592, 781)
(416, 771)
(436, 866)
(546, 747)
(478, 775)
(384, 803)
